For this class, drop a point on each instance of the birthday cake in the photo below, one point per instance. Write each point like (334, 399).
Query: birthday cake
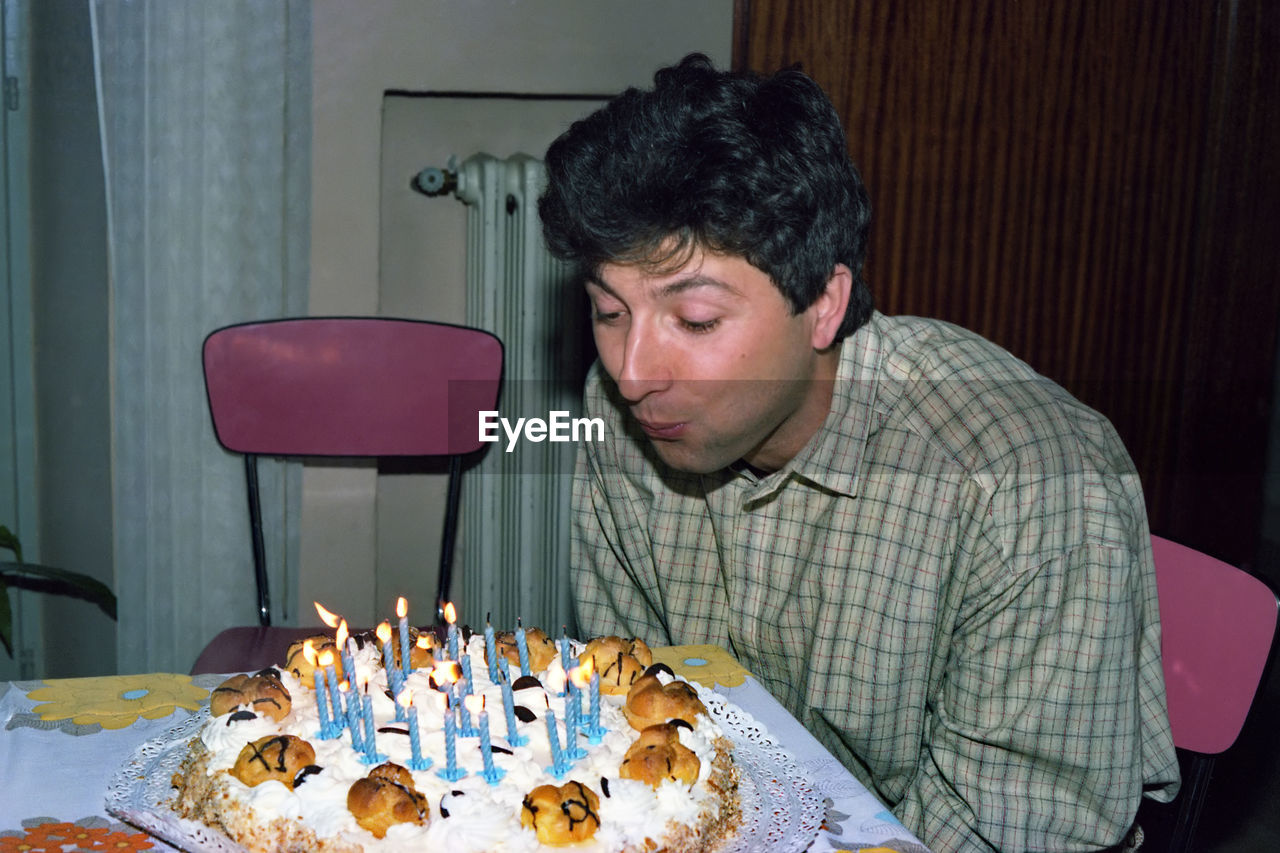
(483, 742)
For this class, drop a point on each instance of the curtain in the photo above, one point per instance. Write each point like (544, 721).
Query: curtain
(204, 108)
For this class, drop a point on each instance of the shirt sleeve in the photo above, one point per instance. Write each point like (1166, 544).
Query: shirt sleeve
(1038, 733)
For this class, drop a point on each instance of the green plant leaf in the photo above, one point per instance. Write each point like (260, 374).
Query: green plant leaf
(10, 542)
(59, 582)
(6, 618)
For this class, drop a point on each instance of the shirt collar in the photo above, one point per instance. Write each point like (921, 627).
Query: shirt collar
(833, 455)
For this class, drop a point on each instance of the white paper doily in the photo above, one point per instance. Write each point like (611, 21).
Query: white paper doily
(780, 809)
(142, 789)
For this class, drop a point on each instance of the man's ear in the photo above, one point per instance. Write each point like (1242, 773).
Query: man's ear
(829, 308)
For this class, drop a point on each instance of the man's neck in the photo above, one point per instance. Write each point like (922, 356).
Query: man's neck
(792, 436)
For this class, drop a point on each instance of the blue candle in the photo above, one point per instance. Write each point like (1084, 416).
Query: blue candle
(346, 647)
(522, 646)
(451, 616)
(491, 650)
(383, 632)
(570, 728)
(465, 729)
(492, 774)
(371, 755)
(396, 692)
(416, 762)
(573, 720)
(451, 771)
(402, 610)
(322, 705)
(326, 661)
(352, 705)
(557, 767)
(466, 673)
(509, 703)
(564, 658)
(595, 733)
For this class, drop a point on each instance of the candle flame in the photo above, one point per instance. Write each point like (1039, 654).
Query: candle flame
(426, 641)
(446, 672)
(326, 657)
(474, 703)
(402, 607)
(406, 696)
(343, 686)
(309, 652)
(581, 675)
(328, 617)
(450, 613)
(383, 631)
(588, 668)
(342, 633)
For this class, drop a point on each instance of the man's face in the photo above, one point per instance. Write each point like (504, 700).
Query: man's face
(710, 360)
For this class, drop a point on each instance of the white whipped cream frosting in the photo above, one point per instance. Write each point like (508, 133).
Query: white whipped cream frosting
(480, 816)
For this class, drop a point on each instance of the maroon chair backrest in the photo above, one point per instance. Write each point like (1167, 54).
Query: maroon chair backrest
(350, 386)
(1217, 624)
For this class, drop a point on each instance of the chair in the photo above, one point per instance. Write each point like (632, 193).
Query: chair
(342, 387)
(1218, 626)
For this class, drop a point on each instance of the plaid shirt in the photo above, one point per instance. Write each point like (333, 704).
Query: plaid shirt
(951, 586)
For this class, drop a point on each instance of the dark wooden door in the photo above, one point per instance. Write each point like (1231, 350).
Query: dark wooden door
(1092, 184)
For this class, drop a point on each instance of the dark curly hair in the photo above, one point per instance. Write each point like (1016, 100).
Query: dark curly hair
(735, 163)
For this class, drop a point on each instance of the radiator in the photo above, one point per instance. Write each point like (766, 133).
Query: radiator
(513, 543)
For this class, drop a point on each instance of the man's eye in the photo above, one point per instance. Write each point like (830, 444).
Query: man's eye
(699, 326)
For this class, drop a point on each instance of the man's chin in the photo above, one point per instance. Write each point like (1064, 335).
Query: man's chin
(680, 456)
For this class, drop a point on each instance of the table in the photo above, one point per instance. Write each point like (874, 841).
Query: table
(61, 741)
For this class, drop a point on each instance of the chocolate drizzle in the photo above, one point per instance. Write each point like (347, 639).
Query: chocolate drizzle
(309, 770)
(525, 682)
(443, 809)
(523, 714)
(604, 786)
(659, 667)
(280, 744)
(577, 808)
(241, 715)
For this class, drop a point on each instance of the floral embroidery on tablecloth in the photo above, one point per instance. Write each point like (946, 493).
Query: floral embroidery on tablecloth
(47, 835)
(707, 665)
(32, 721)
(116, 702)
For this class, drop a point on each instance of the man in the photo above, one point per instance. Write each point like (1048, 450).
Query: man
(935, 558)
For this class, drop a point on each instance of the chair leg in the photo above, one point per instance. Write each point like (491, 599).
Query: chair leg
(449, 534)
(255, 532)
(1195, 785)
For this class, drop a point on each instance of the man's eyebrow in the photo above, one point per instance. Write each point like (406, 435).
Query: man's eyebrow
(673, 288)
(694, 282)
(596, 281)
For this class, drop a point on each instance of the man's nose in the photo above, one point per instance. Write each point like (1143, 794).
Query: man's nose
(646, 366)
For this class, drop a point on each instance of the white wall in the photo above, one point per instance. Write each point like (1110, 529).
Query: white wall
(362, 50)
